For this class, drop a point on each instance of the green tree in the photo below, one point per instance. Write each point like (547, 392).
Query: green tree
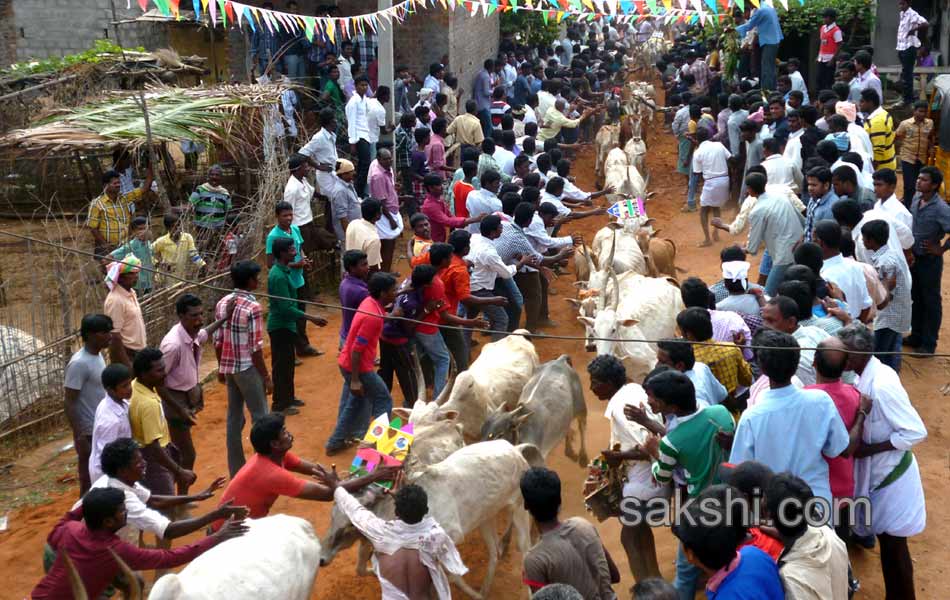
(805, 19)
(529, 27)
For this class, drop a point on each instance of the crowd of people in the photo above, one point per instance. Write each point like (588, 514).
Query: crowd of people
(783, 388)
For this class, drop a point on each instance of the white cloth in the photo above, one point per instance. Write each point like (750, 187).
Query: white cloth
(556, 201)
(481, 202)
(897, 210)
(900, 237)
(715, 191)
(110, 423)
(322, 150)
(357, 118)
(640, 482)
(710, 159)
(808, 336)
(433, 84)
(736, 270)
(139, 516)
(779, 171)
(545, 102)
(529, 115)
(816, 566)
(299, 193)
(541, 239)
(860, 139)
(435, 547)
(505, 159)
(850, 278)
(385, 231)
(488, 265)
(572, 192)
(898, 509)
(376, 118)
(346, 70)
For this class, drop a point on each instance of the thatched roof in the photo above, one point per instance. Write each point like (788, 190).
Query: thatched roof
(174, 114)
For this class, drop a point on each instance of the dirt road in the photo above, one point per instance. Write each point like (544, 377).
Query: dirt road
(318, 382)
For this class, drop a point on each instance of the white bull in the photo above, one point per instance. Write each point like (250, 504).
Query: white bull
(468, 490)
(277, 558)
(496, 378)
(550, 402)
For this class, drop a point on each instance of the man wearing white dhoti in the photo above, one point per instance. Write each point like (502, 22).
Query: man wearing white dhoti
(710, 160)
(404, 546)
(885, 470)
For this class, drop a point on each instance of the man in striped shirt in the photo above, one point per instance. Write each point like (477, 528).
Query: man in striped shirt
(880, 127)
(692, 445)
(211, 202)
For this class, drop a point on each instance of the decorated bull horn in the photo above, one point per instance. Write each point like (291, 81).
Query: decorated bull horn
(135, 590)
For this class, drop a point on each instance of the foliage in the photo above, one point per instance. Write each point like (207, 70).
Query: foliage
(806, 19)
(529, 27)
(101, 50)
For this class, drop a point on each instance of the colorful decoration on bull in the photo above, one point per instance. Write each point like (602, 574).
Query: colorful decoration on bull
(385, 443)
(628, 208)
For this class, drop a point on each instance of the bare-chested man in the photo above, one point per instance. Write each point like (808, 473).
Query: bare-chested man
(411, 550)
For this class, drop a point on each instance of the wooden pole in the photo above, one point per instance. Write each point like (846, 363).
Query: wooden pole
(152, 157)
(115, 27)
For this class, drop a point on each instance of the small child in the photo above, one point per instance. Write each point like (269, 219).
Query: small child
(175, 250)
(138, 246)
(230, 243)
(112, 415)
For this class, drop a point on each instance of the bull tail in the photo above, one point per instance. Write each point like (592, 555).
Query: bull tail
(532, 454)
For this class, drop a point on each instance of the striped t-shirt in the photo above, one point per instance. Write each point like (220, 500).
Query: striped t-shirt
(211, 205)
(693, 446)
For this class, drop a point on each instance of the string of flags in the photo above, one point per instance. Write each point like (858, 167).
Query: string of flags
(229, 12)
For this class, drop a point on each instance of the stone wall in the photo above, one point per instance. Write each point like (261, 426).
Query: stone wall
(8, 34)
(47, 28)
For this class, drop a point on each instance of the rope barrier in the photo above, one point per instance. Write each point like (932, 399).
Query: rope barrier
(540, 336)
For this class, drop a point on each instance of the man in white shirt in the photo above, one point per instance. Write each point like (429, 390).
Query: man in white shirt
(484, 201)
(781, 314)
(111, 420)
(487, 269)
(677, 355)
(123, 467)
(299, 193)
(505, 159)
(798, 82)
(377, 117)
(848, 214)
(710, 160)
(848, 276)
(433, 80)
(357, 129)
(321, 150)
(778, 170)
(571, 191)
(885, 188)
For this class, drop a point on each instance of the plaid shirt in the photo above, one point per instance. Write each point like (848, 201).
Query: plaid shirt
(514, 242)
(828, 323)
(241, 336)
(405, 144)
(112, 218)
(896, 315)
(727, 364)
(364, 46)
(318, 54)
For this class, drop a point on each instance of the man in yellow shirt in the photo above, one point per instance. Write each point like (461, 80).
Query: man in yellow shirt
(150, 429)
(111, 213)
(880, 127)
(175, 250)
(555, 120)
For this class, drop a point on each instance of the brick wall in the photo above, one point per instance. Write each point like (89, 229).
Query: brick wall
(8, 34)
(47, 28)
(471, 41)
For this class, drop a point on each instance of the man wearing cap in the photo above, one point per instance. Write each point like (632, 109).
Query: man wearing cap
(122, 306)
(344, 202)
(741, 299)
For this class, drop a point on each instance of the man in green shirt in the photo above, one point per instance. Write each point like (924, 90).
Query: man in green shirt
(690, 442)
(282, 321)
(287, 230)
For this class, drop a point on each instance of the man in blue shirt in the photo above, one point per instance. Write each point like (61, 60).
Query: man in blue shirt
(789, 429)
(481, 92)
(822, 199)
(765, 21)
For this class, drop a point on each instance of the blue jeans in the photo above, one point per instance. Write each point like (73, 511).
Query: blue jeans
(691, 190)
(776, 277)
(768, 67)
(765, 267)
(509, 289)
(356, 412)
(686, 576)
(889, 340)
(296, 67)
(485, 117)
(434, 347)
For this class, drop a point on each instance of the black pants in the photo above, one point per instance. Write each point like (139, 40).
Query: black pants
(455, 342)
(301, 341)
(534, 289)
(397, 359)
(362, 166)
(282, 366)
(826, 74)
(927, 312)
(908, 59)
(910, 171)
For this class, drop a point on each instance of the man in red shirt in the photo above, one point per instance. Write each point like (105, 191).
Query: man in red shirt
(830, 361)
(464, 187)
(88, 534)
(268, 474)
(364, 395)
(439, 217)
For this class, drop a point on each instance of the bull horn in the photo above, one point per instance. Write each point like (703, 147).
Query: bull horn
(75, 581)
(613, 249)
(586, 254)
(135, 590)
(616, 280)
(420, 378)
(447, 390)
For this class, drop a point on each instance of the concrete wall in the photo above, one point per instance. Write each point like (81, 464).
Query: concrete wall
(7, 34)
(47, 28)
(472, 40)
